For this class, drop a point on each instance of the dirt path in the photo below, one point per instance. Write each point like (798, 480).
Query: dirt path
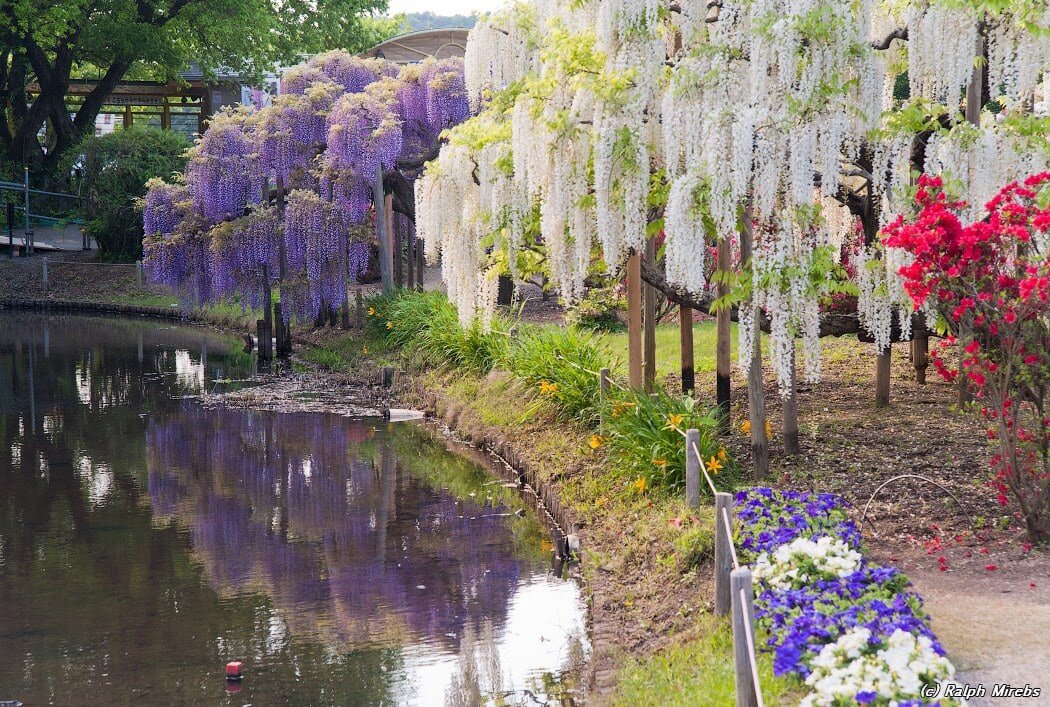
(996, 628)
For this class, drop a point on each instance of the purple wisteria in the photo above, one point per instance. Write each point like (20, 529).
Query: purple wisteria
(298, 177)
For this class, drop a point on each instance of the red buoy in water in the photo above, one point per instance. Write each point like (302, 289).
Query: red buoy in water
(234, 670)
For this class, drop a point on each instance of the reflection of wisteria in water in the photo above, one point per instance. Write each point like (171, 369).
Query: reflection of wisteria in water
(313, 511)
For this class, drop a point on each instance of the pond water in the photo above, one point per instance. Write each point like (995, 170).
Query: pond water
(147, 539)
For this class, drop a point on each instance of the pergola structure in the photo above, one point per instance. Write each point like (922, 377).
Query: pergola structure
(416, 46)
(183, 106)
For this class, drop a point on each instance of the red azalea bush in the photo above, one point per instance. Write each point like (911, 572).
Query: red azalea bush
(991, 279)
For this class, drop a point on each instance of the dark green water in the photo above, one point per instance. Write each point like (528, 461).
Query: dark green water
(145, 540)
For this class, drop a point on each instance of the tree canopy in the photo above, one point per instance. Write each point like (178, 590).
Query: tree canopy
(45, 44)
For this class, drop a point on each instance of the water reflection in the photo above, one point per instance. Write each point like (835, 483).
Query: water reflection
(144, 540)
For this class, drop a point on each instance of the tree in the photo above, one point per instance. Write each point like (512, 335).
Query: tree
(116, 169)
(292, 194)
(993, 276)
(47, 44)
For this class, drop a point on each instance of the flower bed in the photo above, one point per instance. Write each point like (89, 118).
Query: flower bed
(851, 629)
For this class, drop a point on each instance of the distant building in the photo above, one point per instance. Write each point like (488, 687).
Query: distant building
(417, 46)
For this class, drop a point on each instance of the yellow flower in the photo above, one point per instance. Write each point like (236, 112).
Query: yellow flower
(673, 421)
(722, 456)
(660, 463)
(769, 429)
(745, 426)
(601, 501)
(548, 388)
(364, 349)
(595, 442)
(713, 465)
(640, 484)
(371, 311)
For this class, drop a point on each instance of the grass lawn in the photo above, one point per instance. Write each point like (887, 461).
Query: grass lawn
(669, 350)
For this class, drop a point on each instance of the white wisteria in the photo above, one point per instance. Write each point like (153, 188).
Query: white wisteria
(776, 112)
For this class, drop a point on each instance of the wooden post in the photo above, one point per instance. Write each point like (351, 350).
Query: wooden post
(265, 325)
(723, 554)
(411, 259)
(420, 264)
(692, 469)
(634, 321)
(974, 99)
(395, 241)
(685, 327)
(723, 364)
(284, 327)
(756, 394)
(344, 315)
(649, 321)
(359, 306)
(45, 274)
(138, 273)
(604, 381)
(743, 626)
(883, 361)
(382, 234)
(791, 443)
(920, 349)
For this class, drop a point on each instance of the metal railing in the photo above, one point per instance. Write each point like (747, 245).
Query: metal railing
(29, 238)
(734, 592)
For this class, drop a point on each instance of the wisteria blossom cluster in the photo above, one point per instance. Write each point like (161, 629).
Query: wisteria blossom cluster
(605, 118)
(990, 282)
(286, 194)
(832, 618)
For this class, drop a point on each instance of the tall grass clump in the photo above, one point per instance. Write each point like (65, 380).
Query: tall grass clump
(644, 435)
(560, 364)
(426, 324)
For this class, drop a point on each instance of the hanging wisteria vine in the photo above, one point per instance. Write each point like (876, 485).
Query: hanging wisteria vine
(284, 195)
(605, 116)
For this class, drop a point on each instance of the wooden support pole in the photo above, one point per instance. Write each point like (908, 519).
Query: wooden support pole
(344, 315)
(420, 264)
(756, 394)
(359, 307)
(723, 554)
(382, 237)
(634, 321)
(791, 442)
(410, 282)
(723, 364)
(685, 327)
(604, 381)
(921, 350)
(44, 263)
(265, 325)
(692, 469)
(883, 361)
(743, 626)
(649, 322)
(396, 243)
(391, 243)
(974, 102)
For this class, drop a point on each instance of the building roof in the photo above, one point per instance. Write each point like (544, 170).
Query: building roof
(416, 46)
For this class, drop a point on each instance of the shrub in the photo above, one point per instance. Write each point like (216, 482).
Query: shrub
(991, 280)
(644, 433)
(427, 324)
(116, 169)
(560, 364)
